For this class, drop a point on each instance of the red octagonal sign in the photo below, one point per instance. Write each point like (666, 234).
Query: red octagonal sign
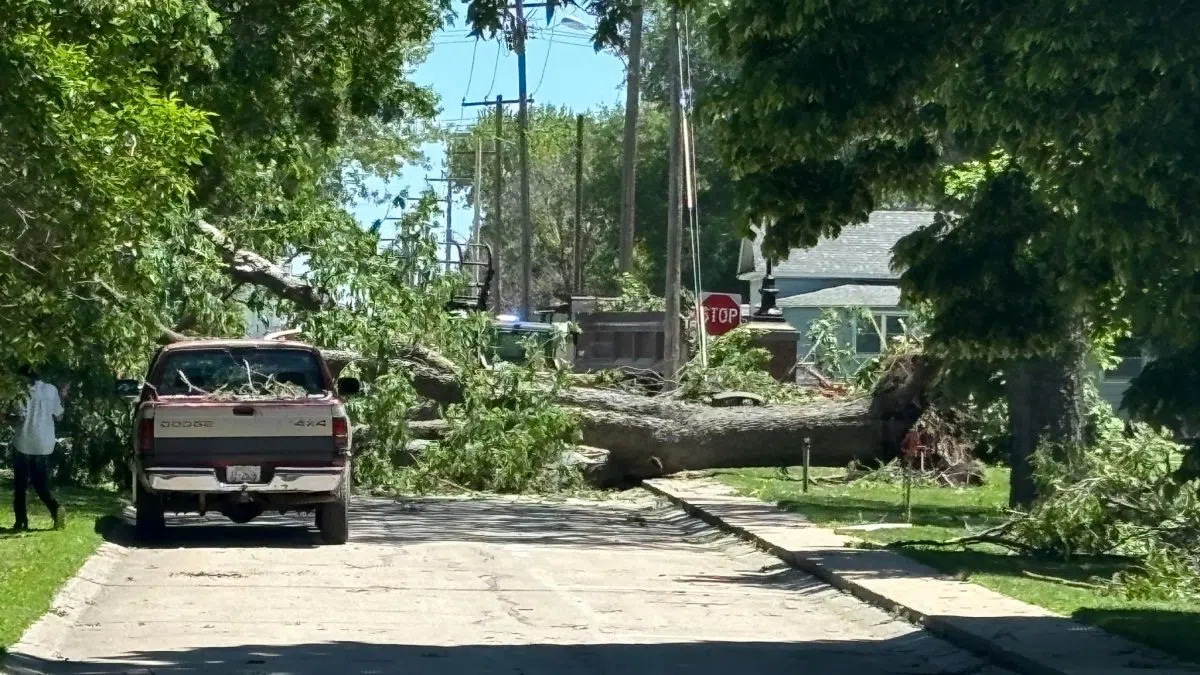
(722, 313)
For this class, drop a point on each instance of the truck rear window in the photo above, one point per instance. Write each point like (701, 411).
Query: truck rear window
(240, 371)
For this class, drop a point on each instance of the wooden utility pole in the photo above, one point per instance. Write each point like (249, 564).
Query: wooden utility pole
(477, 216)
(672, 358)
(449, 181)
(496, 219)
(633, 77)
(526, 312)
(449, 216)
(577, 247)
(498, 261)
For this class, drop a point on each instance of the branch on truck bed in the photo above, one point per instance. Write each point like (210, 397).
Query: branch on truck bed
(251, 268)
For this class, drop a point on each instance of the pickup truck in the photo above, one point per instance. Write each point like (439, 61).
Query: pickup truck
(241, 427)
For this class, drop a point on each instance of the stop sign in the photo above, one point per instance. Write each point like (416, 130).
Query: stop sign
(722, 313)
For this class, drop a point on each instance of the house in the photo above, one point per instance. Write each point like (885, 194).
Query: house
(852, 271)
(855, 271)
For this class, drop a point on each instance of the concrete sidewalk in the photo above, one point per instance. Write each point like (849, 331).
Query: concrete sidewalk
(1011, 633)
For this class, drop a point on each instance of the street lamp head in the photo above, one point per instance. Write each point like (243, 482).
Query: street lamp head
(573, 23)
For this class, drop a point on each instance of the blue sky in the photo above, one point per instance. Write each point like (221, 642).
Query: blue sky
(562, 69)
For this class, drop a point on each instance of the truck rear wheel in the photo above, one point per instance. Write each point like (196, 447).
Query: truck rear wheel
(333, 517)
(150, 519)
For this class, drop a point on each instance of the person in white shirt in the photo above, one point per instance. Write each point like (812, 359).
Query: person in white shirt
(33, 444)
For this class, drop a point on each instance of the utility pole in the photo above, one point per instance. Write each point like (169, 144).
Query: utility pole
(477, 220)
(672, 361)
(633, 76)
(449, 216)
(449, 181)
(577, 248)
(523, 153)
(498, 196)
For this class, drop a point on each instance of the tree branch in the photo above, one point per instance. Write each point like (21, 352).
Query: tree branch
(168, 334)
(251, 268)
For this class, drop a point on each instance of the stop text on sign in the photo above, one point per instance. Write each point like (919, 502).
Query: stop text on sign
(722, 314)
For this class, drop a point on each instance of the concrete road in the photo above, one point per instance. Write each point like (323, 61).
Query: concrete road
(478, 587)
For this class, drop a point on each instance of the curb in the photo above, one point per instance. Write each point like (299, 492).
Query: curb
(40, 643)
(941, 626)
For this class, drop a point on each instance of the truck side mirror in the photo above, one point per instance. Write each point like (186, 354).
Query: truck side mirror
(129, 388)
(348, 386)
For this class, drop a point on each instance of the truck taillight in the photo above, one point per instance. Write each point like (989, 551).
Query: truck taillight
(341, 434)
(146, 435)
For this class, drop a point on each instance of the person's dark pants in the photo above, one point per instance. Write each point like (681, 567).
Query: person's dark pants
(30, 469)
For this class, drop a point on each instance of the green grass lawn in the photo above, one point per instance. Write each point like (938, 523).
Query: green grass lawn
(944, 513)
(35, 564)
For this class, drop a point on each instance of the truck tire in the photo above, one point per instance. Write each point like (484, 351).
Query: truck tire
(150, 520)
(333, 517)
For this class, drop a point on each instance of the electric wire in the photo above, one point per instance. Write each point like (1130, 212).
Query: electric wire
(471, 77)
(495, 69)
(545, 62)
(692, 186)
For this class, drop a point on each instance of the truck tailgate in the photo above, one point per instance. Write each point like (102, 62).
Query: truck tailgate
(266, 433)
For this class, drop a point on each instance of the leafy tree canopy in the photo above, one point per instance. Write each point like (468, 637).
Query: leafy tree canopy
(95, 158)
(125, 121)
(831, 107)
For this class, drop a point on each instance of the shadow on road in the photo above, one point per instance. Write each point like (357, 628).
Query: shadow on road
(912, 654)
(493, 520)
(215, 531)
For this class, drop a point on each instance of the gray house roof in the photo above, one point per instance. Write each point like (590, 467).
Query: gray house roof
(846, 295)
(860, 252)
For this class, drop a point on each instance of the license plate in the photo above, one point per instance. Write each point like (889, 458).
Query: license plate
(242, 474)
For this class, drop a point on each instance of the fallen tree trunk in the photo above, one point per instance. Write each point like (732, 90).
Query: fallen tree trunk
(647, 437)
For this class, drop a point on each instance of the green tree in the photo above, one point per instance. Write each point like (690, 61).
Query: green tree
(830, 109)
(94, 163)
(720, 236)
(552, 134)
(125, 124)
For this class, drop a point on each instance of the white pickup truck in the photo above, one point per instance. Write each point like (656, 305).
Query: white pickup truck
(241, 427)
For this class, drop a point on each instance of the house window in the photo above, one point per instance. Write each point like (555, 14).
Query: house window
(870, 335)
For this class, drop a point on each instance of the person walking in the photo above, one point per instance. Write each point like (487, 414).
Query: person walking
(33, 444)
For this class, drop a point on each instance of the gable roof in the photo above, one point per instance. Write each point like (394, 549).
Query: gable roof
(860, 252)
(846, 295)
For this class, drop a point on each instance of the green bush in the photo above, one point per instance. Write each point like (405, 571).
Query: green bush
(1120, 497)
(508, 435)
(736, 364)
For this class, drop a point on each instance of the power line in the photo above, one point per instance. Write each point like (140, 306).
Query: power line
(471, 77)
(545, 62)
(692, 181)
(573, 43)
(495, 68)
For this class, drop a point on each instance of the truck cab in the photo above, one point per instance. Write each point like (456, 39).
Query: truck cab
(241, 427)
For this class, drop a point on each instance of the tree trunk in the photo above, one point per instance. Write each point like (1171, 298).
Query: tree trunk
(647, 437)
(1045, 405)
(633, 77)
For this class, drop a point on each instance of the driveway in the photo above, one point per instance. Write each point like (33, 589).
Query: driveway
(474, 587)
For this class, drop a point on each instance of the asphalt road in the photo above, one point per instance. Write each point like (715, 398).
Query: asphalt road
(477, 587)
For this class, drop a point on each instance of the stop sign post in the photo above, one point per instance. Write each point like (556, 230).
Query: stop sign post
(722, 312)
